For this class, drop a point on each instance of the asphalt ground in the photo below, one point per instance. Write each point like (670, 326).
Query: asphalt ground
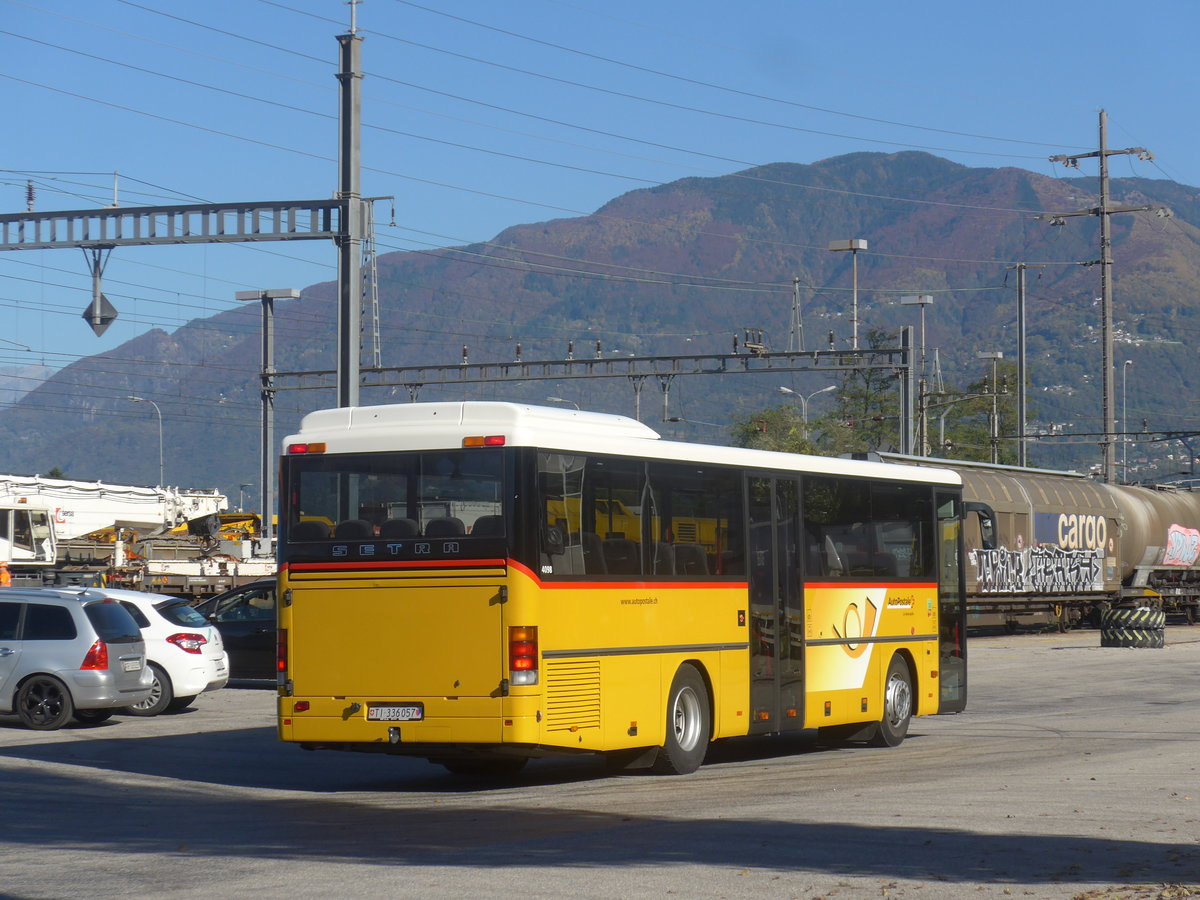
(1073, 774)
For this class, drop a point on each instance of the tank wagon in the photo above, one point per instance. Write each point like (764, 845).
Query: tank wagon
(1061, 548)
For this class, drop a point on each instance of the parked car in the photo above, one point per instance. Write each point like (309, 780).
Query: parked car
(184, 651)
(245, 616)
(68, 653)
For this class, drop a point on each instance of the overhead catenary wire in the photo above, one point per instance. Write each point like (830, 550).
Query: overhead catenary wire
(598, 264)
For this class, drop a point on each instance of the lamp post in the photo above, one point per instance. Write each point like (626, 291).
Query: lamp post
(995, 356)
(562, 400)
(1124, 422)
(921, 301)
(160, 434)
(267, 396)
(804, 401)
(853, 246)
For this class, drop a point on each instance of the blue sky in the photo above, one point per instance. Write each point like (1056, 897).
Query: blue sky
(481, 115)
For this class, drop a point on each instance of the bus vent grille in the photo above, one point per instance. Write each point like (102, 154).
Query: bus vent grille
(686, 532)
(572, 695)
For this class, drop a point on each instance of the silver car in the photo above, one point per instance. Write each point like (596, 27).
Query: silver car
(68, 654)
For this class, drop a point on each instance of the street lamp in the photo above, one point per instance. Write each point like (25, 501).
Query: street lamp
(804, 401)
(853, 245)
(563, 400)
(995, 356)
(1124, 422)
(160, 434)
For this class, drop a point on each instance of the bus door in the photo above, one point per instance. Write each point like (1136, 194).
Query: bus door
(776, 607)
(952, 619)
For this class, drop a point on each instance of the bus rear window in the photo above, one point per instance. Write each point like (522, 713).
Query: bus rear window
(395, 496)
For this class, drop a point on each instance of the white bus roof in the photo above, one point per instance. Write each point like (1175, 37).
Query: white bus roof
(438, 426)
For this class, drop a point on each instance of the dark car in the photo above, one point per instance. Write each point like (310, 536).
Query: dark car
(245, 616)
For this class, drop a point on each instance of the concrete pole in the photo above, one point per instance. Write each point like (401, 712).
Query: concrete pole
(350, 237)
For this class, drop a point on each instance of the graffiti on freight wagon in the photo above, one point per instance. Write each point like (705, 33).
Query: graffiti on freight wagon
(1038, 570)
(1183, 546)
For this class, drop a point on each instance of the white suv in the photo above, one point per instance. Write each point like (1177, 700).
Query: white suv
(68, 653)
(183, 651)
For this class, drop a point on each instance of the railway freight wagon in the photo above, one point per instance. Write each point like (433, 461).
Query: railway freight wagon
(1059, 547)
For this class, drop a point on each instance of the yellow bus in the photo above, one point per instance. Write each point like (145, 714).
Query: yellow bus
(471, 606)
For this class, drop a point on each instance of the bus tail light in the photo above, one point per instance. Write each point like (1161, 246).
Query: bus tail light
(281, 659)
(523, 655)
(484, 440)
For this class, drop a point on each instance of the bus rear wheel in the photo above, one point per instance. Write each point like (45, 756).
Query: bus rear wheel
(897, 705)
(689, 725)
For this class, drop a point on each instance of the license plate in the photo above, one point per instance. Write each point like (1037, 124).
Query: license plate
(410, 712)
(131, 665)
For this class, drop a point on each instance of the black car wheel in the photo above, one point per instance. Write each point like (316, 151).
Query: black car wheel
(44, 703)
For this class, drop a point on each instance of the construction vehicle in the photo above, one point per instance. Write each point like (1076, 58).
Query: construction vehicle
(167, 540)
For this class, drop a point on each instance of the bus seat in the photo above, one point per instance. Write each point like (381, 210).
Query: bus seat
(309, 530)
(353, 529)
(621, 556)
(593, 553)
(664, 559)
(394, 528)
(885, 564)
(690, 559)
(488, 526)
(732, 562)
(858, 562)
(445, 526)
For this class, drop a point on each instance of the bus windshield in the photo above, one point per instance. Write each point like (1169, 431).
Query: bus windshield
(394, 496)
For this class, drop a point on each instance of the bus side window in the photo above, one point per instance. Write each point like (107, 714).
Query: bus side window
(593, 554)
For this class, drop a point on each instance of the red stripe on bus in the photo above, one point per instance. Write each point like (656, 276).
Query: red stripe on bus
(397, 564)
(863, 585)
(593, 585)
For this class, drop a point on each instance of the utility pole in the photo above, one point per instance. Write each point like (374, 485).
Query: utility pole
(922, 443)
(349, 242)
(906, 390)
(796, 328)
(994, 420)
(1104, 211)
(267, 398)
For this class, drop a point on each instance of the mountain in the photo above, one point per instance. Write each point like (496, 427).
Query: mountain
(17, 381)
(682, 268)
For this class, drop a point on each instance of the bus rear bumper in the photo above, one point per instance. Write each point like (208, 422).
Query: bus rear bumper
(449, 751)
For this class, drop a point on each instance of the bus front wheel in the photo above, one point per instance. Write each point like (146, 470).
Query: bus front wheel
(897, 705)
(689, 725)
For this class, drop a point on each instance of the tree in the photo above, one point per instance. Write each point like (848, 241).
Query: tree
(968, 418)
(777, 428)
(866, 412)
(56, 472)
